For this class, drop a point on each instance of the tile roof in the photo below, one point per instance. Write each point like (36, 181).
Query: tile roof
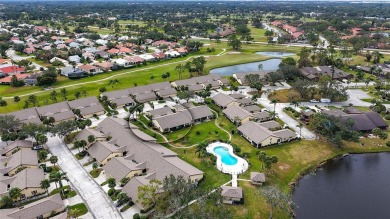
(101, 150)
(17, 144)
(231, 192)
(222, 100)
(120, 167)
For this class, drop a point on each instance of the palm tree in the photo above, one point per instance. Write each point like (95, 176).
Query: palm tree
(53, 160)
(300, 126)
(180, 68)
(64, 92)
(57, 177)
(14, 193)
(295, 103)
(201, 149)
(17, 100)
(45, 184)
(77, 94)
(274, 102)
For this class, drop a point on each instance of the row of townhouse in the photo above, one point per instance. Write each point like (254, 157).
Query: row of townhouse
(62, 111)
(129, 155)
(254, 124)
(168, 119)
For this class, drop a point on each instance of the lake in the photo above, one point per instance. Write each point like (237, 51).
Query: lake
(357, 186)
(270, 64)
(276, 54)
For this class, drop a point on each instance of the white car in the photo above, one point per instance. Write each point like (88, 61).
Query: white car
(314, 101)
(324, 100)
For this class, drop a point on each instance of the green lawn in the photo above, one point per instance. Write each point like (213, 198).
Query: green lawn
(205, 131)
(80, 208)
(96, 172)
(258, 34)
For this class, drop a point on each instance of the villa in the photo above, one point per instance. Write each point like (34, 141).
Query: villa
(88, 106)
(26, 116)
(240, 77)
(59, 111)
(18, 161)
(119, 97)
(124, 167)
(43, 208)
(315, 73)
(105, 151)
(27, 180)
(260, 136)
(16, 146)
(223, 100)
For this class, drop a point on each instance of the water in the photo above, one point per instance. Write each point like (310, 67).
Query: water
(227, 158)
(276, 54)
(270, 64)
(357, 186)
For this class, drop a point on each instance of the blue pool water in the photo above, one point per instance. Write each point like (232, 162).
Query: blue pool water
(227, 158)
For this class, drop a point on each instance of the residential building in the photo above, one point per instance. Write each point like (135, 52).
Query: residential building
(59, 111)
(15, 146)
(27, 180)
(105, 151)
(89, 106)
(260, 136)
(90, 69)
(240, 77)
(43, 208)
(223, 100)
(18, 161)
(120, 97)
(124, 167)
(315, 73)
(25, 116)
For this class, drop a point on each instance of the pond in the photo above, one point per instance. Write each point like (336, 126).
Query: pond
(357, 186)
(270, 64)
(276, 54)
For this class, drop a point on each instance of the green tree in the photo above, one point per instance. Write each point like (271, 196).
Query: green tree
(234, 42)
(111, 183)
(14, 193)
(53, 160)
(147, 194)
(276, 199)
(274, 102)
(45, 184)
(17, 100)
(42, 155)
(64, 94)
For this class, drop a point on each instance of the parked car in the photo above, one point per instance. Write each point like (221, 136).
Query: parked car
(314, 101)
(324, 100)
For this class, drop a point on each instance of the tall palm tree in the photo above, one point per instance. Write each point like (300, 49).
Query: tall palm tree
(300, 126)
(45, 184)
(17, 100)
(295, 103)
(201, 149)
(274, 102)
(53, 160)
(57, 177)
(180, 68)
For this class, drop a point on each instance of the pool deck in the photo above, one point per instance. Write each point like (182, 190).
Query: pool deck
(238, 168)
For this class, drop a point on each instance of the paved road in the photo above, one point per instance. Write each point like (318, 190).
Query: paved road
(12, 55)
(292, 123)
(99, 204)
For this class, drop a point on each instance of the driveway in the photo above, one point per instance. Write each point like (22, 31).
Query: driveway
(292, 123)
(12, 55)
(99, 204)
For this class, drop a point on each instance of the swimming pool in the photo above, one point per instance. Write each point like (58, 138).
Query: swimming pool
(227, 161)
(225, 155)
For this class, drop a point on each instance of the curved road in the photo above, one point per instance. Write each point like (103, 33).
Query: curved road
(12, 55)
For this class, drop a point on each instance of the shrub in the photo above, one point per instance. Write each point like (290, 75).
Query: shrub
(136, 216)
(296, 114)
(387, 117)
(48, 169)
(388, 144)
(110, 192)
(198, 132)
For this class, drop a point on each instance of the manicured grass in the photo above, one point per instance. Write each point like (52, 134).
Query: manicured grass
(71, 193)
(96, 172)
(205, 131)
(140, 75)
(81, 209)
(258, 34)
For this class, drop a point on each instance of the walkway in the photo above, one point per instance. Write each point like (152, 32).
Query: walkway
(99, 204)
